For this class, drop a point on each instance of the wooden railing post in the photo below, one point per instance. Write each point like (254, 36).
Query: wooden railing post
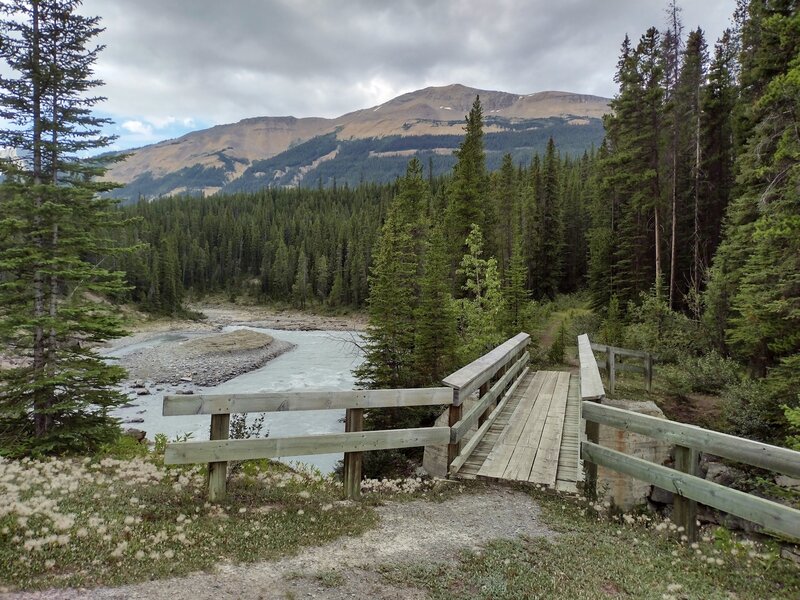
(353, 421)
(648, 372)
(612, 369)
(590, 468)
(456, 411)
(218, 471)
(684, 509)
(482, 391)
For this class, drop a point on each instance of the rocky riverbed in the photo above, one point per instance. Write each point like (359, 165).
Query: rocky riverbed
(204, 360)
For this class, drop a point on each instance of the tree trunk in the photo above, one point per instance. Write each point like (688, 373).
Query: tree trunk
(41, 401)
(697, 262)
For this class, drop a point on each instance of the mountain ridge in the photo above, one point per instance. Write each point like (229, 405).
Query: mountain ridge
(213, 159)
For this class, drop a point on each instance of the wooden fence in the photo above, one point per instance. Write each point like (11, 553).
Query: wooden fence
(614, 362)
(490, 375)
(689, 441)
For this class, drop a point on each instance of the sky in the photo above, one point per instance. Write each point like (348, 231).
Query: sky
(173, 66)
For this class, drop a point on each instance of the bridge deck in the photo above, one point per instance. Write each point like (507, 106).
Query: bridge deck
(536, 436)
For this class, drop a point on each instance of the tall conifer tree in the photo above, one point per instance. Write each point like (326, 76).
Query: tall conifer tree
(50, 232)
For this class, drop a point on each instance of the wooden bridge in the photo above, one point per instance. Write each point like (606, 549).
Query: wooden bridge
(505, 422)
(533, 437)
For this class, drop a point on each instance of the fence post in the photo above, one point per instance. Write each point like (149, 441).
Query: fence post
(684, 509)
(590, 468)
(612, 369)
(455, 413)
(648, 372)
(218, 471)
(351, 475)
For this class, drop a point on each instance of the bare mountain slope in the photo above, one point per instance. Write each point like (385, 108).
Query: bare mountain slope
(252, 150)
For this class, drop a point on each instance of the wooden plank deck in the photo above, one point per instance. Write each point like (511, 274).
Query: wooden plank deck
(536, 436)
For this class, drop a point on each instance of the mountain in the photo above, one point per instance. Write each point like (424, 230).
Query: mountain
(372, 144)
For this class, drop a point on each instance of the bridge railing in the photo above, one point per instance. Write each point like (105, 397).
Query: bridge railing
(218, 450)
(504, 363)
(612, 363)
(689, 441)
(491, 375)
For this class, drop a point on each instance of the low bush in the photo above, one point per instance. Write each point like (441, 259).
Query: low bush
(750, 410)
(710, 373)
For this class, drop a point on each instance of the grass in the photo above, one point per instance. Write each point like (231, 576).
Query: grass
(599, 557)
(68, 523)
(234, 341)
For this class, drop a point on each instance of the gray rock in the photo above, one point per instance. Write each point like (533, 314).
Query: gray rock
(136, 434)
(660, 496)
(791, 553)
(142, 392)
(787, 482)
(135, 421)
(723, 474)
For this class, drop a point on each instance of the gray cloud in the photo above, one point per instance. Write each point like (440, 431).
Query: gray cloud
(218, 62)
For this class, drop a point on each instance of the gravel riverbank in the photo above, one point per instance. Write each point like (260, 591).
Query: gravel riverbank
(205, 360)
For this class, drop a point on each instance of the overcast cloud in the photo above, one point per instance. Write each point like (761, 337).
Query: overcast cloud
(171, 66)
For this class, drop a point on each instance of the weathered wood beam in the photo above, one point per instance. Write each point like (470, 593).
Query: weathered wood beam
(178, 453)
(757, 454)
(469, 378)
(770, 515)
(210, 404)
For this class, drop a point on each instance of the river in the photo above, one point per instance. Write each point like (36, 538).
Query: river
(321, 360)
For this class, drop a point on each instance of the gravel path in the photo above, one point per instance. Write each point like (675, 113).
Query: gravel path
(418, 532)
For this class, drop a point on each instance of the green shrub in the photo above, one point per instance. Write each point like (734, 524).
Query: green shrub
(655, 328)
(749, 410)
(793, 418)
(710, 373)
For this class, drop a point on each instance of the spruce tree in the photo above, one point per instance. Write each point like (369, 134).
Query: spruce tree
(754, 293)
(436, 340)
(389, 354)
(51, 240)
(547, 274)
(515, 294)
(467, 190)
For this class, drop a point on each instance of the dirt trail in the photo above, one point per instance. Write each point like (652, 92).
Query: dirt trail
(411, 532)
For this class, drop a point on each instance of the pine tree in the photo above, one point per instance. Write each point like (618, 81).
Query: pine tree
(754, 293)
(389, 354)
(467, 190)
(50, 234)
(547, 274)
(505, 194)
(480, 311)
(300, 288)
(436, 340)
(515, 294)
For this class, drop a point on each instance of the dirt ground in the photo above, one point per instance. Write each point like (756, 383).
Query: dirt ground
(409, 532)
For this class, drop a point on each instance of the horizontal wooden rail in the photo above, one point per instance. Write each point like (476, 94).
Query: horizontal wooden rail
(757, 454)
(591, 384)
(180, 453)
(621, 351)
(215, 404)
(601, 364)
(459, 430)
(469, 378)
(770, 515)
